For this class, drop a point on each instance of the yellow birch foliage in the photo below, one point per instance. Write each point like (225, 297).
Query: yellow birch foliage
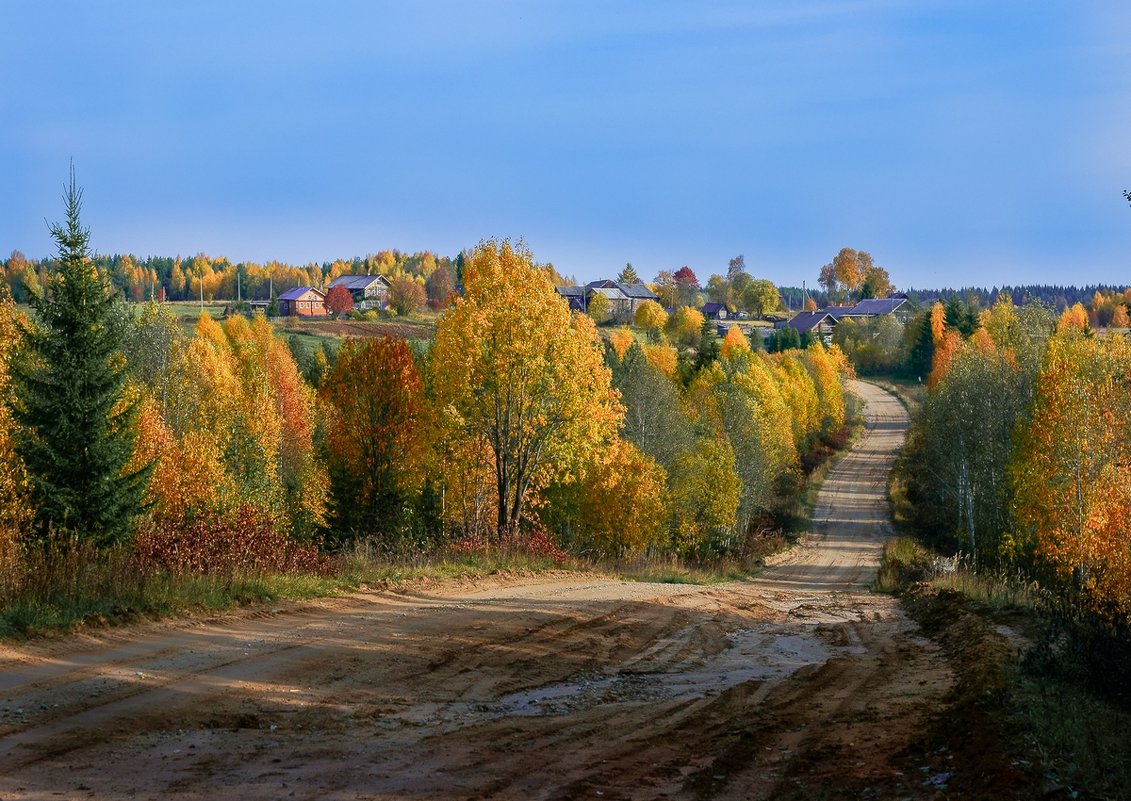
(663, 357)
(705, 492)
(761, 382)
(15, 499)
(1072, 467)
(621, 339)
(1001, 323)
(683, 325)
(650, 316)
(241, 422)
(800, 394)
(516, 368)
(827, 382)
(623, 507)
(466, 469)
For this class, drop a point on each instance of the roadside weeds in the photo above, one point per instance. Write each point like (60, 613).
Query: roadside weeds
(1021, 721)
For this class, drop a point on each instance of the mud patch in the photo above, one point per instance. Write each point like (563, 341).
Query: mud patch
(752, 655)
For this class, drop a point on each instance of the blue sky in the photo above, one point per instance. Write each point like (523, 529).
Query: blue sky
(959, 142)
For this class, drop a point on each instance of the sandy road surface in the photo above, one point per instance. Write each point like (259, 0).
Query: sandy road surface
(797, 684)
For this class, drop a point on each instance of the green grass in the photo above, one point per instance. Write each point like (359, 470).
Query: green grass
(191, 309)
(904, 561)
(314, 342)
(1081, 742)
(910, 391)
(674, 571)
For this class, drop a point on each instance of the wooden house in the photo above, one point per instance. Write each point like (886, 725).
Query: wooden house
(369, 291)
(302, 301)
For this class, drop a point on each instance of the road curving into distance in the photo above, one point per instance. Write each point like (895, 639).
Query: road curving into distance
(798, 682)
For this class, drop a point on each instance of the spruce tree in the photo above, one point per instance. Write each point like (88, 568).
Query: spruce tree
(77, 431)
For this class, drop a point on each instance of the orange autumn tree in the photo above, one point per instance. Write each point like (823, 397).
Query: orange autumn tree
(1074, 318)
(15, 499)
(301, 475)
(188, 474)
(735, 344)
(513, 366)
(1072, 468)
(620, 339)
(376, 439)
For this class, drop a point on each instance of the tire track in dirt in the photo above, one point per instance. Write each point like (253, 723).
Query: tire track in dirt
(553, 687)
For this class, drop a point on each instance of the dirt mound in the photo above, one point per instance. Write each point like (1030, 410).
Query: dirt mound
(966, 747)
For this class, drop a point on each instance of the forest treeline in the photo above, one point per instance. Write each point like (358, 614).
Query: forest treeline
(216, 278)
(884, 346)
(214, 448)
(852, 274)
(1021, 455)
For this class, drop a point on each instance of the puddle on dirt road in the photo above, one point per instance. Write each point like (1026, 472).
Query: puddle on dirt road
(752, 655)
(672, 670)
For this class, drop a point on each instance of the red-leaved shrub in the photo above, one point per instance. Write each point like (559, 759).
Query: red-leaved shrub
(247, 539)
(536, 543)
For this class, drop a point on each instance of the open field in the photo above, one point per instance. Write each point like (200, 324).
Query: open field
(402, 329)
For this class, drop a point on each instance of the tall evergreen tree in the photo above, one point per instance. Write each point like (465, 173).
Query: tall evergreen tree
(77, 430)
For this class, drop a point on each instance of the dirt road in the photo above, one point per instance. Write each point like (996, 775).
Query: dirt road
(798, 684)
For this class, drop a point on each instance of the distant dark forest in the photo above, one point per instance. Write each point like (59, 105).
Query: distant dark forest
(1050, 295)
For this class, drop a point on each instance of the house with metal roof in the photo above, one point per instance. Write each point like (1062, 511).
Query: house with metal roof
(836, 312)
(302, 301)
(575, 295)
(623, 298)
(896, 305)
(369, 291)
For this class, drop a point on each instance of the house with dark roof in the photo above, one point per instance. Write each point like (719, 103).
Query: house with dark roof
(637, 294)
(816, 324)
(620, 307)
(715, 311)
(836, 312)
(302, 301)
(575, 295)
(623, 298)
(896, 305)
(369, 291)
